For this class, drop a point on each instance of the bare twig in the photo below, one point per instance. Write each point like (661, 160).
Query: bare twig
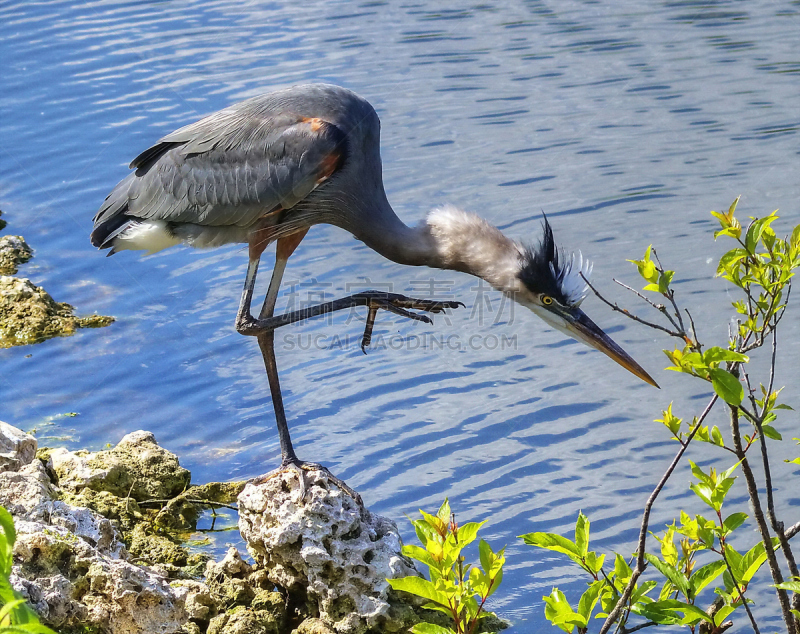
(670, 296)
(640, 561)
(641, 626)
(691, 322)
(615, 307)
(659, 307)
(191, 501)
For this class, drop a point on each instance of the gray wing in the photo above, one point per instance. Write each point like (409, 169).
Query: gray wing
(230, 168)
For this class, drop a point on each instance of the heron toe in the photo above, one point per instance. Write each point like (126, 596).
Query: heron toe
(301, 468)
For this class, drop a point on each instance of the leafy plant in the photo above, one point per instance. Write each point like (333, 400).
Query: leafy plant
(761, 266)
(15, 615)
(457, 589)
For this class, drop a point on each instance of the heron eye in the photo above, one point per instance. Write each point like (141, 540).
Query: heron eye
(547, 300)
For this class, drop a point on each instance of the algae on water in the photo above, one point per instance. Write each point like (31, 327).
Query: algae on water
(28, 314)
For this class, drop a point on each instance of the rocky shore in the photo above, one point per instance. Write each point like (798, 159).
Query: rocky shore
(99, 548)
(28, 314)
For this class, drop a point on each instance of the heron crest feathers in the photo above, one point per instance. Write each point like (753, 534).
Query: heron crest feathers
(551, 271)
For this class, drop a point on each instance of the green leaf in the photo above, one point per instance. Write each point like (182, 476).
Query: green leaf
(621, 569)
(660, 611)
(420, 554)
(582, 534)
(552, 541)
(589, 599)
(751, 561)
(430, 628)
(444, 511)
(722, 614)
(717, 355)
(677, 578)
(705, 575)
(792, 586)
(498, 579)
(727, 386)
(593, 562)
(419, 587)
(468, 532)
(704, 492)
(486, 555)
(729, 259)
(558, 611)
(770, 432)
(734, 521)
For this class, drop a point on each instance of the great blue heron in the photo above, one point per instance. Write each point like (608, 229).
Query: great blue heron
(270, 167)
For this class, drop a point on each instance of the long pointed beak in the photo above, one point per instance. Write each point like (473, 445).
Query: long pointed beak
(578, 325)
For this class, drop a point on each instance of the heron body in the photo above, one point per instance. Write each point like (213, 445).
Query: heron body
(267, 169)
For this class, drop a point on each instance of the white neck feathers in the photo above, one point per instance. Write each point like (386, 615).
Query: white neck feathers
(466, 242)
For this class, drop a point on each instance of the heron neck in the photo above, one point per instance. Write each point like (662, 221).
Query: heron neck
(396, 241)
(449, 238)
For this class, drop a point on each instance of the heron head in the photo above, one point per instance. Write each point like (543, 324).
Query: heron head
(552, 286)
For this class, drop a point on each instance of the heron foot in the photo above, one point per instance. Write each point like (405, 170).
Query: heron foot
(399, 305)
(300, 468)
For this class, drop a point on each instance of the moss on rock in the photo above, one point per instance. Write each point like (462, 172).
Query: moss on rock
(28, 314)
(124, 512)
(244, 620)
(137, 467)
(13, 252)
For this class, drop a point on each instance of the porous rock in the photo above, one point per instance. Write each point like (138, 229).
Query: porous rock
(313, 626)
(28, 314)
(16, 448)
(70, 564)
(326, 550)
(137, 467)
(13, 252)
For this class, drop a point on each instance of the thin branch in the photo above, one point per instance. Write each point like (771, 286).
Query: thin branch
(640, 561)
(752, 490)
(777, 526)
(616, 308)
(659, 307)
(641, 626)
(740, 591)
(772, 363)
(670, 296)
(691, 321)
(190, 501)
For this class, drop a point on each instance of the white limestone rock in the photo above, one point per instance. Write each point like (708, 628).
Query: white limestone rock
(16, 448)
(70, 564)
(327, 549)
(69, 583)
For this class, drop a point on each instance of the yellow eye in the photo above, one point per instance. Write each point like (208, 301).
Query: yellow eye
(547, 300)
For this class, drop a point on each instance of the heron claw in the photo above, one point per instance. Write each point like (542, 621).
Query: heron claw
(398, 304)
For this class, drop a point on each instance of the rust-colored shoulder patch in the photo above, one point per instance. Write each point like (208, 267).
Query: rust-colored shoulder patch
(328, 165)
(315, 122)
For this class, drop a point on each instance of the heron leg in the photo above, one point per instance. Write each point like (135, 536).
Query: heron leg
(266, 342)
(374, 300)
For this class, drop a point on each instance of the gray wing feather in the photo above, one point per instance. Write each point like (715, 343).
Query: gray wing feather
(230, 168)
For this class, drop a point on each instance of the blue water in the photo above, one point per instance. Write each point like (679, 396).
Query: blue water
(625, 122)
